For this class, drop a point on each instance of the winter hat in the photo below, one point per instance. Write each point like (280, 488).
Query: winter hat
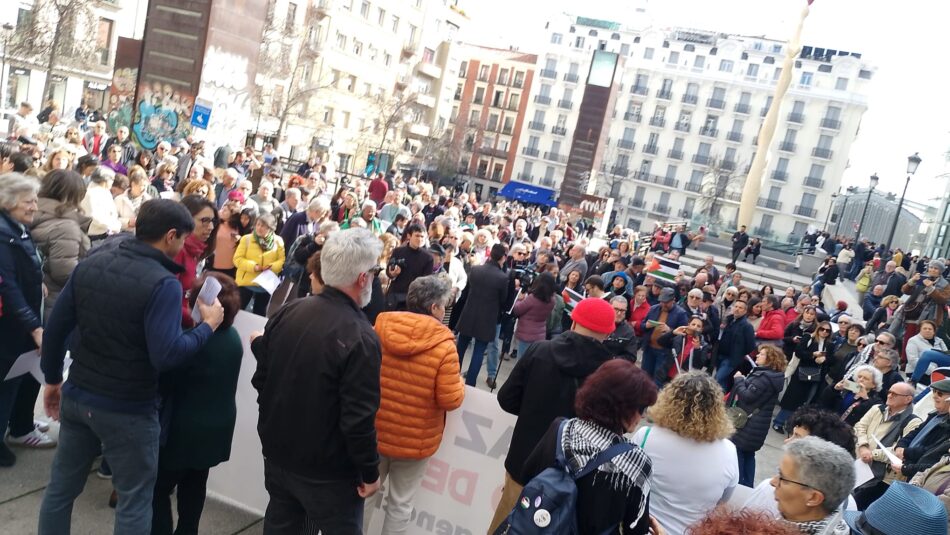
(236, 195)
(901, 506)
(937, 264)
(594, 314)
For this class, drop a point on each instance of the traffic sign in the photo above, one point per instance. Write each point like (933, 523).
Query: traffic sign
(201, 113)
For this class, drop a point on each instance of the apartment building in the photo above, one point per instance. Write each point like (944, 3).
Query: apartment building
(689, 106)
(488, 114)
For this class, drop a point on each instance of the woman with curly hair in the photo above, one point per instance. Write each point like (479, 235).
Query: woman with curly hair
(200, 187)
(726, 521)
(694, 463)
(757, 394)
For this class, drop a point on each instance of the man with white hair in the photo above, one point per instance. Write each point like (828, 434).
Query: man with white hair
(319, 362)
(307, 221)
(123, 140)
(575, 262)
(366, 219)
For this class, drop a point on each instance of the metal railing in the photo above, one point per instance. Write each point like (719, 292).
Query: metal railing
(651, 149)
(716, 103)
(708, 131)
(734, 136)
(819, 152)
(781, 176)
(537, 126)
(796, 118)
(812, 182)
(542, 99)
(770, 204)
(832, 124)
(549, 73)
(806, 211)
(742, 108)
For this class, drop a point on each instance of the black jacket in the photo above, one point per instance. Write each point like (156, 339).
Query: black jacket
(317, 380)
(542, 387)
(737, 340)
(21, 292)
(739, 241)
(759, 390)
(933, 447)
(830, 276)
(484, 304)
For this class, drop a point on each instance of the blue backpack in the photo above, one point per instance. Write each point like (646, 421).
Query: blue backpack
(548, 503)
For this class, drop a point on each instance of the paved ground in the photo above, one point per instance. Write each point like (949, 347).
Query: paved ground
(21, 487)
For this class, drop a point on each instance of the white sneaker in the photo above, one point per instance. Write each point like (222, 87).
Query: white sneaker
(34, 439)
(41, 425)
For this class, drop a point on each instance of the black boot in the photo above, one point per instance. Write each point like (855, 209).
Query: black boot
(7, 457)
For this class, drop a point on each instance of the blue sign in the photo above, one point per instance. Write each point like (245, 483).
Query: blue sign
(201, 114)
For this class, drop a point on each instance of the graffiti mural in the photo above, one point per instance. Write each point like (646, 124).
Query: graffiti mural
(162, 114)
(225, 82)
(118, 111)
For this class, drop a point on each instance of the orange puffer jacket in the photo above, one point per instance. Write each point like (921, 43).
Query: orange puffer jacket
(419, 381)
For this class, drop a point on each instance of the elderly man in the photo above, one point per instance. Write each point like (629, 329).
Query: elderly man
(709, 264)
(575, 262)
(890, 279)
(814, 479)
(888, 422)
(872, 301)
(368, 215)
(883, 342)
(306, 222)
(924, 446)
(928, 300)
(330, 377)
(123, 140)
(663, 317)
(391, 207)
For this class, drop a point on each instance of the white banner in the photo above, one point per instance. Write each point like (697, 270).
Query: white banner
(462, 483)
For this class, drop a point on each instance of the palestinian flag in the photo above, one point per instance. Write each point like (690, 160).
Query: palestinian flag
(571, 298)
(664, 270)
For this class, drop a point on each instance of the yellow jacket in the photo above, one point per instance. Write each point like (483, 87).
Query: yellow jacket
(248, 255)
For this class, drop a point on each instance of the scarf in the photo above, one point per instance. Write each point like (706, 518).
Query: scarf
(266, 243)
(832, 524)
(583, 440)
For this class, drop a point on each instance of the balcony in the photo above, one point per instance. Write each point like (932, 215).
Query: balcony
(742, 108)
(780, 176)
(542, 99)
(682, 127)
(638, 203)
(549, 73)
(409, 49)
(502, 80)
(734, 136)
(651, 149)
(806, 211)
(716, 103)
(786, 146)
(525, 177)
(812, 182)
(824, 154)
(693, 187)
(656, 179)
(769, 204)
(728, 165)
(702, 159)
(429, 69)
(558, 130)
(675, 154)
(536, 126)
(639, 90)
(685, 214)
(555, 157)
(665, 94)
(565, 104)
(762, 231)
(497, 153)
(661, 209)
(625, 144)
(796, 118)
(690, 99)
(709, 131)
(418, 131)
(619, 170)
(425, 100)
(831, 124)
(657, 121)
(530, 151)
(632, 116)
(571, 77)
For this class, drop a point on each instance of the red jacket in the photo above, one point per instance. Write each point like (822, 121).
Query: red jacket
(378, 188)
(790, 315)
(772, 326)
(637, 315)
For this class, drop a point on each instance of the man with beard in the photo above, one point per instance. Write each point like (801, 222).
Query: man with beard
(319, 361)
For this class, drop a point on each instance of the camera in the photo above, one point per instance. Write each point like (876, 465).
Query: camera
(396, 262)
(525, 276)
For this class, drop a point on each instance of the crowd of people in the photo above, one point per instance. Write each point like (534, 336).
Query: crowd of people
(375, 290)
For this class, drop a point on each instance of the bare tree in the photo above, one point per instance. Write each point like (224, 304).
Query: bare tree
(615, 170)
(59, 34)
(720, 180)
(393, 112)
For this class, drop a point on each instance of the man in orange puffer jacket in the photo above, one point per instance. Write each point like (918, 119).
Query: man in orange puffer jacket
(419, 382)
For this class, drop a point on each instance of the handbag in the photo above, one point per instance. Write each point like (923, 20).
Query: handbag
(736, 414)
(809, 374)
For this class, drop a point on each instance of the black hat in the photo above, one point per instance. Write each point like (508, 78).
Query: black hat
(435, 248)
(637, 261)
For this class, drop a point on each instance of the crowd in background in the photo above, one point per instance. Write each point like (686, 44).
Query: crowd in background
(376, 288)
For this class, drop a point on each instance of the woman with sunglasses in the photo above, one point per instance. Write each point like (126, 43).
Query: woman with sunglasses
(113, 160)
(807, 375)
(198, 246)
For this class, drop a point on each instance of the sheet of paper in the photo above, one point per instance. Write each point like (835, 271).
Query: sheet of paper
(208, 293)
(268, 281)
(24, 364)
(890, 455)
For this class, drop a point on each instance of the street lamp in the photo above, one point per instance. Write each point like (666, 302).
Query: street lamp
(874, 181)
(912, 162)
(831, 207)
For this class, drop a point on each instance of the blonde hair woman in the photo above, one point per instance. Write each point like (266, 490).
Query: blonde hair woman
(694, 463)
(200, 187)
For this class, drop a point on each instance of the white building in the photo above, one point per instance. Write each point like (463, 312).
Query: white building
(688, 107)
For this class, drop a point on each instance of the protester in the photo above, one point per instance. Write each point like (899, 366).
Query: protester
(813, 481)
(126, 302)
(757, 395)
(406, 264)
(925, 445)
(900, 507)
(323, 471)
(925, 341)
(480, 315)
(727, 521)
(260, 251)
(735, 343)
(198, 246)
(199, 414)
(689, 422)
(543, 385)
(99, 204)
(419, 382)
(663, 317)
(807, 371)
(533, 308)
(855, 398)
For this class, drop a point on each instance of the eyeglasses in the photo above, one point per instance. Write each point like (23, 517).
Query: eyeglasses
(622, 310)
(884, 342)
(824, 329)
(208, 220)
(892, 393)
(783, 479)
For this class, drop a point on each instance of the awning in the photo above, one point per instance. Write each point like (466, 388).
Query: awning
(529, 193)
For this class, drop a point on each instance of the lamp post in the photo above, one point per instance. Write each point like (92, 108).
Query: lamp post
(831, 207)
(912, 162)
(874, 181)
(850, 191)
(7, 29)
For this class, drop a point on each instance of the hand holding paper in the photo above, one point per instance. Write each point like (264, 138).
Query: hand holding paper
(267, 280)
(208, 293)
(895, 461)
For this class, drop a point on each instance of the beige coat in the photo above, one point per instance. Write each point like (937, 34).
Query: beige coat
(872, 423)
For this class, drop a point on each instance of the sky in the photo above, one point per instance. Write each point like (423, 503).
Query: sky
(908, 107)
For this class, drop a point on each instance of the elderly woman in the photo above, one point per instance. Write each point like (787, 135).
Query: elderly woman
(757, 394)
(99, 204)
(881, 319)
(611, 498)
(481, 250)
(199, 417)
(689, 422)
(419, 383)
(128, 203)
(814, 479)
(266, 203)
(21, 290)
(855, 398)
(262, 250)
(922, 342)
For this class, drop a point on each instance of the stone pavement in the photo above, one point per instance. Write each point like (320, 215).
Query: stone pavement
(22, 486)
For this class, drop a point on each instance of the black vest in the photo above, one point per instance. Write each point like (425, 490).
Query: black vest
(112, 290)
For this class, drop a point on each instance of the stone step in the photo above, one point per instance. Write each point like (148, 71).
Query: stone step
(753, 276)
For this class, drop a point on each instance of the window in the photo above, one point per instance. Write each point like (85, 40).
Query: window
(692, 89)
(674, 58)
(824, 68)
(624, 49)
(790, 135)
(824, 141)
(103, 40)
(725, 65)
(776, 74)
(346, 119)
(648, 53)
(704, 149)
(395, 24)
(483, 73)
(357, 47)
(340, 41)
(474, 117)
(699, 62)
(364, 9)
(719, 93)
(503, 77)
(659, 112)
(24, 18)
(752, 70)
(428, 55)
(291, 19)
(730, 155)
(556, 38)
(538, 116)
(545, 90)
(833, 112)
(808, 200)
(745, 97)
(592, 33)
(578, 42)
(381, 16)
(328, 115)
(766, 223)
(841, 84)
(628, 134)
(514, 99)
(864, 74)
(479, 95)
(806, 78)
(412, 33)
(671, 172)
(696, 177)
(816, 171)
(463, 69)
(678, 144)
(387, 59)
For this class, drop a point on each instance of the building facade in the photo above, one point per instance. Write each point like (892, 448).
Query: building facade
(847, 210)
(684, 128)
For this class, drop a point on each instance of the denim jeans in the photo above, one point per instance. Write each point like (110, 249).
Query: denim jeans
(781, 418)
(523, 347)
(654, 363)
(332, 507)
(926, 359)
(478, 355)
(746, 467)
(724, 374)
(128, 441)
